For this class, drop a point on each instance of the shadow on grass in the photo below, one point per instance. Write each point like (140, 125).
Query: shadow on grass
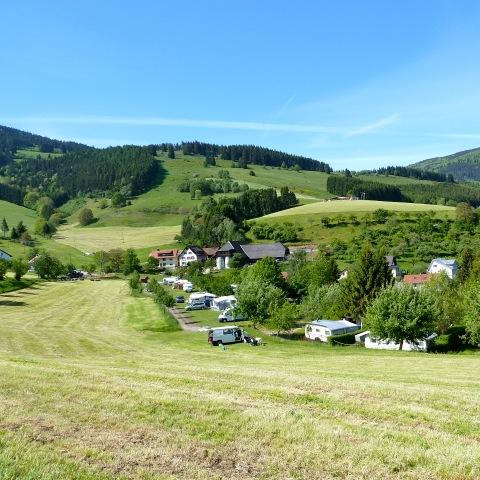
(12, 303)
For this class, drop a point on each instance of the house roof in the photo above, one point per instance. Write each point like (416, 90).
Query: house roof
(417, 279)
(210, 251)
(6, 253)
(158, 254)
(194, 249)
(334, 325)
(446, 262)
(231, 246)
(262, 250)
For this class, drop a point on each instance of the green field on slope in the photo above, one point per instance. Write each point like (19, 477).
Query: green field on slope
(357, 206)
(165, 205)
(92, 388)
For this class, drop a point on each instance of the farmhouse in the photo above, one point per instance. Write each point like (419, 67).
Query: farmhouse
(190, 254)
(417, 280)
(250, 252)
(166, 258)
(439, 265)
(5, 256)
(322, 329)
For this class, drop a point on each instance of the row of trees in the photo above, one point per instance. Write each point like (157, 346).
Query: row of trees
(210, 186)
(410, 172)
(216, 221)
(252, 154)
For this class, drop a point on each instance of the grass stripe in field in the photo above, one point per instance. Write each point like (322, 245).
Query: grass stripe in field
(357, 206)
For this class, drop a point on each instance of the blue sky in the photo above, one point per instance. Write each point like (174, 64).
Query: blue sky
(356, 84)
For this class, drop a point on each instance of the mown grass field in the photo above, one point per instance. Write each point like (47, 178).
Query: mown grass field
(92, 388)
(91, 240)
(357, 206)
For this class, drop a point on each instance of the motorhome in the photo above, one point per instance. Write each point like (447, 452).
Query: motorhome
(220, 335)
(322, 329)
(230, 315)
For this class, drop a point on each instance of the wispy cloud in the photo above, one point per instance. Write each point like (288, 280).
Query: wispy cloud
(461, 136)
(285, 105)
(372, 127)
(213, 124)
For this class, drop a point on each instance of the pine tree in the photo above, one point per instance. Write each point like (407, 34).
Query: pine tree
(4, 227)
(369, 276)
(171, 152)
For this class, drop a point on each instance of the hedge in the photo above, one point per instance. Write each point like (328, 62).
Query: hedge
(345, 339)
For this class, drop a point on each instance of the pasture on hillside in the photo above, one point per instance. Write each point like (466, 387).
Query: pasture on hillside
(358, 206)
(164, 205)
(14, 213)
(95, 385)
(106, 238)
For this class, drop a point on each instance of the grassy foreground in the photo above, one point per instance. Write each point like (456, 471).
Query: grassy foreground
(93, 386)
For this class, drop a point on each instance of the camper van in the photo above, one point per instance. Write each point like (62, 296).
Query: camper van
(230, 315)
(233, 334)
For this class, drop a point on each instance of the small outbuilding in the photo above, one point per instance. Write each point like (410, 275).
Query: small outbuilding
(322, 329)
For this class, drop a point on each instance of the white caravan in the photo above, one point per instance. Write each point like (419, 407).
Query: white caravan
(230, 315)
(322, 329)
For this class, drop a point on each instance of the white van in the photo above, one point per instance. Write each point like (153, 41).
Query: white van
(230, 315)
(187, 287)
(220, 335)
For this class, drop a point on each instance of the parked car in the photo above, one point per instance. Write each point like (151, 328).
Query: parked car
(179, 299)
(230, 315)
(187, 287)
(195, 306)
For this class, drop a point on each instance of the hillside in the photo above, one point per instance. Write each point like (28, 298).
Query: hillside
(98, 387)
(463, 165)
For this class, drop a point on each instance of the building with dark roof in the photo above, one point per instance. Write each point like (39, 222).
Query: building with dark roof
(250, 252)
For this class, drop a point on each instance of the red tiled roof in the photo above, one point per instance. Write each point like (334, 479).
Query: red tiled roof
(158, 254)
(417, 279)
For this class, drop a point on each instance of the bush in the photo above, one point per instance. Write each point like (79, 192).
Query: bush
(85, 217)
(345, 339)
(451, 341)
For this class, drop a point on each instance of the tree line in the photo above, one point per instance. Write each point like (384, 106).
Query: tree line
(343, 186)
(216, 221)
(410, 172)
(446, 193)
(252, 154)
(12, 139)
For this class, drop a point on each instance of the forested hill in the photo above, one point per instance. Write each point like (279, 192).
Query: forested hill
(12, 139)
(252, 154)
(463, 165)
(130, 169)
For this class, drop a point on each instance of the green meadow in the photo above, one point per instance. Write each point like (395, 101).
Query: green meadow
(94, 385)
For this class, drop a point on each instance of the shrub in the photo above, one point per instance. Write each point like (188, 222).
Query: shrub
(453, 340)
(345, 339)
(85, 217)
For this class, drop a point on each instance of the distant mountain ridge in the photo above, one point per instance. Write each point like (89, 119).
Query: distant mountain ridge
(464, 165)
